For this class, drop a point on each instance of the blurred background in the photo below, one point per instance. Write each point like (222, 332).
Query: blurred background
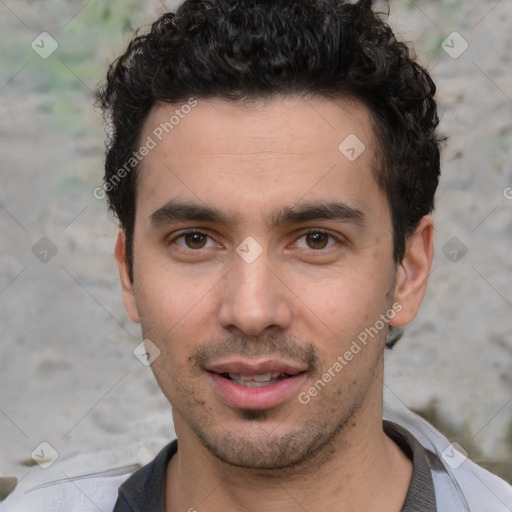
(68, 375)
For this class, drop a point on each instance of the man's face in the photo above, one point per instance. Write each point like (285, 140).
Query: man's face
(261, 252)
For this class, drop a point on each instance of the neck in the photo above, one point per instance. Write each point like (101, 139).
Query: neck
(361, 469)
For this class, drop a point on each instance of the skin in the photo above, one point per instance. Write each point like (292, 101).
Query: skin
(304, 298)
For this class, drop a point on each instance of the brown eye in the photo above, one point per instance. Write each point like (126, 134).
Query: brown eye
(193, 244)
(192, 240)
(195, 240)
(317, 240)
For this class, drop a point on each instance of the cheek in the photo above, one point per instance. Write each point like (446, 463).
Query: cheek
(173, 315)
(349, 307)
(164, 294)
(348, 298)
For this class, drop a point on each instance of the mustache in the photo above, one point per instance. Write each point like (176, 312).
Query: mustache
(266, 345)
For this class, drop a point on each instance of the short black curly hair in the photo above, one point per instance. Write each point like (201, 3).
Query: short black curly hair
(247, 49)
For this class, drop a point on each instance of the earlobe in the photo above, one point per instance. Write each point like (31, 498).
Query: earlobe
(129, 301)
(413, 271)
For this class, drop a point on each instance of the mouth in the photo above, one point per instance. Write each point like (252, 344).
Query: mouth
(259, 384)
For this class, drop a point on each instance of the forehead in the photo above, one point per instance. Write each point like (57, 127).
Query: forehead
(258, 154)
(260, 125)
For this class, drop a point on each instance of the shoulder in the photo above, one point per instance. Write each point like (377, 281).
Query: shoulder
(460, 484)
(64, 488)
(471, 486)
(77, 494)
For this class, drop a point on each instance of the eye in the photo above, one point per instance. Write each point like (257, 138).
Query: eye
(193, 240)
(316, 240)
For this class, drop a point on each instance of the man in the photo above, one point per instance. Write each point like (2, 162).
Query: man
(273, 167)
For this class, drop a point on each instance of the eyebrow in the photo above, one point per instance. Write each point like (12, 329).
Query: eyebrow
(181, 211)
(317, 211)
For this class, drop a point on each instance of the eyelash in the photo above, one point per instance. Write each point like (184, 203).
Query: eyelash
(310, 231)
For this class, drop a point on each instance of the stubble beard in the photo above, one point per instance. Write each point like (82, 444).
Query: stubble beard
(267, 444)
(270, 450)
(268, 453)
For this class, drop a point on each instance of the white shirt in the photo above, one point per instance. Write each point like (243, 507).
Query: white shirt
(460, 485)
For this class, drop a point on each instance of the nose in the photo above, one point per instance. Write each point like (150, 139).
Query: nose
(254, 298)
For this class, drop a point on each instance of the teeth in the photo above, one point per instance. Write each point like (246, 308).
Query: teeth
(253, 384)
(265, 377)
(253, 381)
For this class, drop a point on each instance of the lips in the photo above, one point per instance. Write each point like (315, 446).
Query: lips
(260, 367)
(255, 385)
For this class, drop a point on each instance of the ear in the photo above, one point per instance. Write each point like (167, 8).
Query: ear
(413, 271)
(127, 286)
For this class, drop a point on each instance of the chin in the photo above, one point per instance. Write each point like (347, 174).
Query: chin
(269, 449)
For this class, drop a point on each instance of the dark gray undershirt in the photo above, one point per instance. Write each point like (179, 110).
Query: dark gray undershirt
(144, 491)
